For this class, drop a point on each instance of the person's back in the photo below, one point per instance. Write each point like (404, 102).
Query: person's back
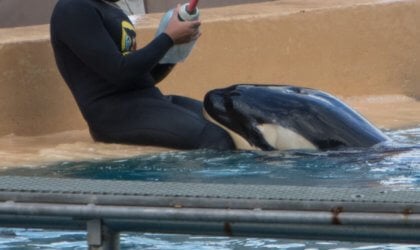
(113, 82)
(90, 38)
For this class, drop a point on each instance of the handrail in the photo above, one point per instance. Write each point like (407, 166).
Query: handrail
(106, 208)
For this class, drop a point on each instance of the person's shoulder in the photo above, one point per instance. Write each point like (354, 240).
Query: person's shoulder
(65, 9)
(74, 4)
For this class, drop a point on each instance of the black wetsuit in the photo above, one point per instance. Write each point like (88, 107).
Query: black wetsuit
(114, 84)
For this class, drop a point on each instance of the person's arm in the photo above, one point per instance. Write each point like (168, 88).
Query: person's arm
(160, 71)
(80, 27)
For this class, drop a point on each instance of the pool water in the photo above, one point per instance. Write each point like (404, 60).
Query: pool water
(394, 164)
(52, 240)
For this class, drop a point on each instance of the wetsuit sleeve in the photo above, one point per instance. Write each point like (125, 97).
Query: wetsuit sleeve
(80, 27)
(160, 71)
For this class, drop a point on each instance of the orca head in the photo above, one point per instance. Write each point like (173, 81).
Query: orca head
(250, 114)
(284, 117)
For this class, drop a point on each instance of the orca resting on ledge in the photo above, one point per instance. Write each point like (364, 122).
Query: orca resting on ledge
(282, 117)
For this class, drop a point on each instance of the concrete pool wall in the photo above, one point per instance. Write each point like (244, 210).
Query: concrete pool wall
(365, 51)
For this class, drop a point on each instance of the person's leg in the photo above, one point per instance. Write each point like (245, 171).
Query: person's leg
(212, 136)
(188, 103)
(164, 122)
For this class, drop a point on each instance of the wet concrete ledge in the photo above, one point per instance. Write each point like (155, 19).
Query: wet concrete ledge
(357, 48)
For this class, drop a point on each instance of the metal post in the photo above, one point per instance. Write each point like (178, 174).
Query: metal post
(100, 237)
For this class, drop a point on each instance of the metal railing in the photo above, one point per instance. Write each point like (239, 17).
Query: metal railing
(106, 208)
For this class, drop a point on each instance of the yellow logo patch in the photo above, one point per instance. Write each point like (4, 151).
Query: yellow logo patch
(128, 37)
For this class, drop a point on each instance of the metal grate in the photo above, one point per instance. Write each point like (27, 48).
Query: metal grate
(259, 194)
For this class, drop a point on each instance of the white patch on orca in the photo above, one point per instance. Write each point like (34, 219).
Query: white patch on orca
(282, 138)
(240, 142)
(277, 136)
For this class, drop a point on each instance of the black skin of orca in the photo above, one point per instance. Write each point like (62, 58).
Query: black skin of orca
(321, 118)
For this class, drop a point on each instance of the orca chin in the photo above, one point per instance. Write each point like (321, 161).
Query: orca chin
(284, 117)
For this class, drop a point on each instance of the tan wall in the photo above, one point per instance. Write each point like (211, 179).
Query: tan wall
(349, 48)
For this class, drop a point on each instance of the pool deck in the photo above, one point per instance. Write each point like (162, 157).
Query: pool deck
(351, 214)
(364, 51)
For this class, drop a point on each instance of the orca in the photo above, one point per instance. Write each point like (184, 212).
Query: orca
(286, 117)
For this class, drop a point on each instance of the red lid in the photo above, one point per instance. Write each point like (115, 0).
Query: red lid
(192, 5)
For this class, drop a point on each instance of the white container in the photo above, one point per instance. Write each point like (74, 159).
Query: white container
(179, 52)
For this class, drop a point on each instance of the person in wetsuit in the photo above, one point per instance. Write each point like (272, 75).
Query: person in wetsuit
(114, 83)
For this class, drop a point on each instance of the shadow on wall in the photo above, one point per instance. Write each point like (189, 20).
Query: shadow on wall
(152, 6)
(15, 13)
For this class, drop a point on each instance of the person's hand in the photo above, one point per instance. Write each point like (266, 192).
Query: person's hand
(182, 31)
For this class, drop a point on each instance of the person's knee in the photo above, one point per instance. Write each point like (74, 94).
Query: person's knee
(214, 137)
